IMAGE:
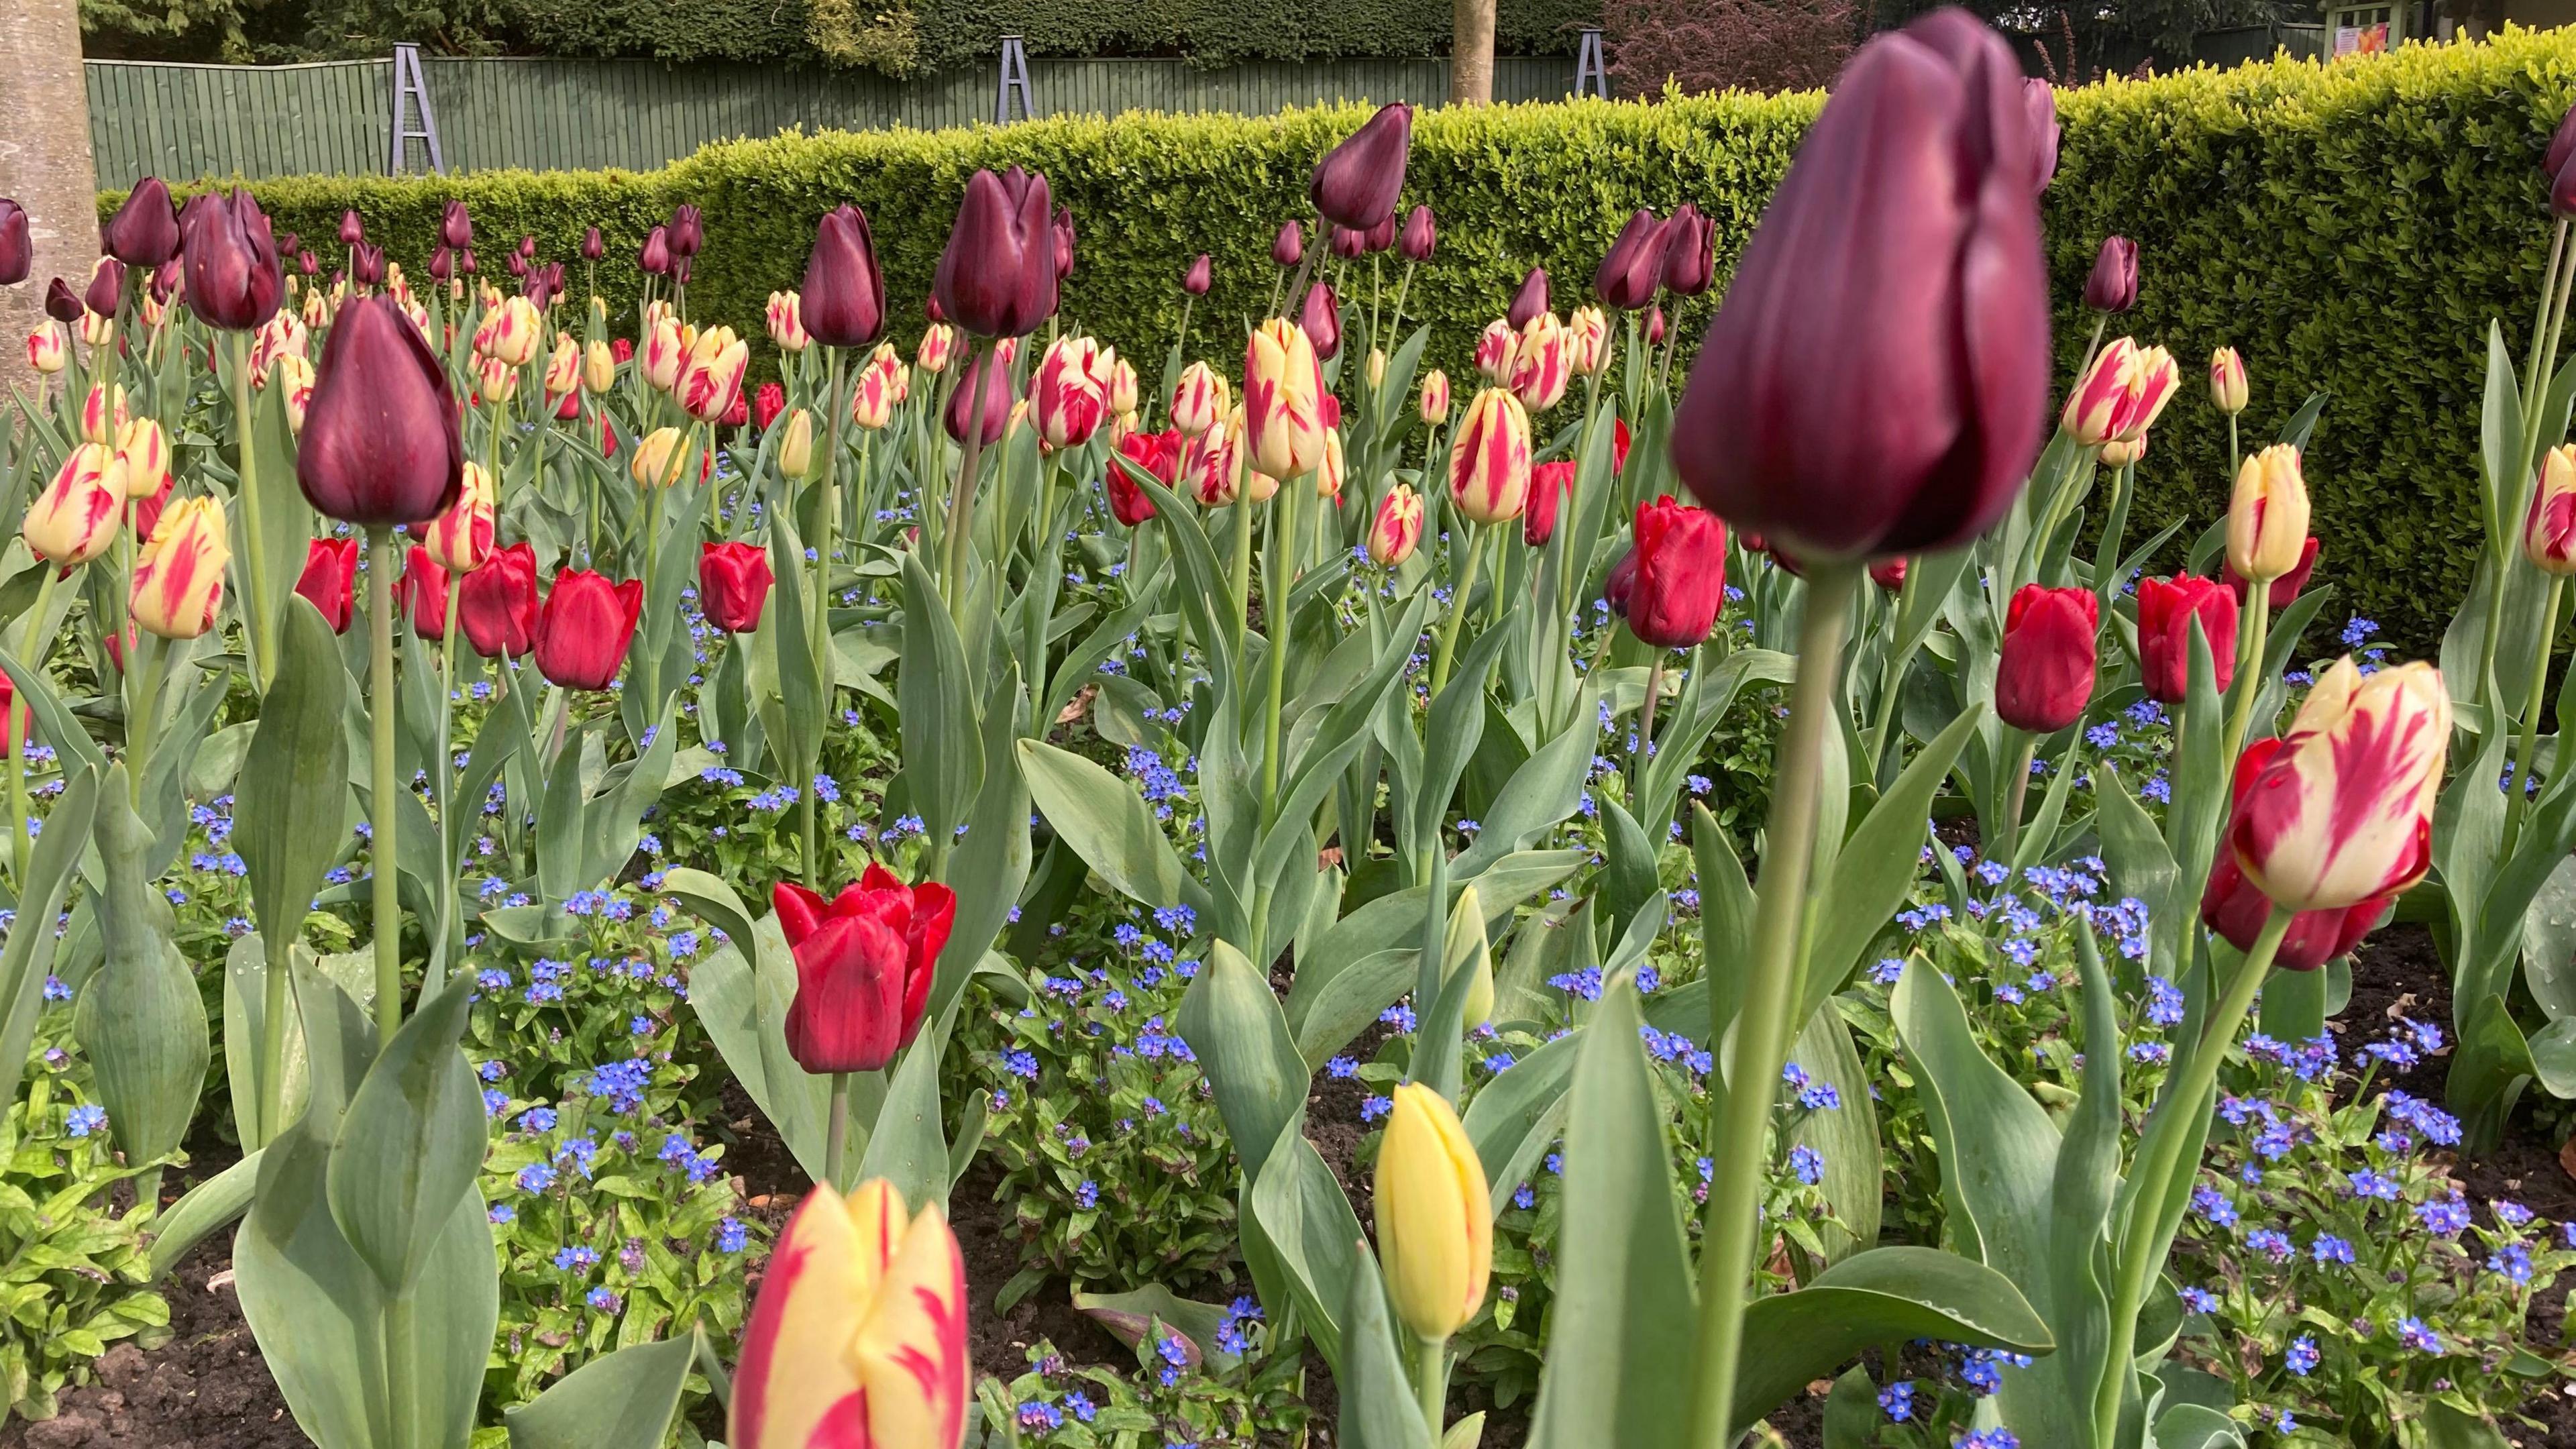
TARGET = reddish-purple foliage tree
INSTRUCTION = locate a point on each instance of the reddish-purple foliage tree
(1714, 45)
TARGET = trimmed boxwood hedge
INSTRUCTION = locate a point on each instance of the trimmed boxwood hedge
(2349, 227)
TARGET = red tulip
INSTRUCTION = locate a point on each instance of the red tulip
(147, 513)
(736, 413)
(1888, 573)
(622, 348)
(1618, 445)
(1530, 300)
(842, 303)
(233, 276)
(1681, 574)
(766, 404)
(864, 962)
(585, 628)
(380, 442)
(1549, 485)
(570, 406)
(422, 593)
(733, 585)
(1155, 453)
(2045, 677)
(1634, 266)
(144, 232)
(330, 579)
(2236, 908)
(2166, 609)
(1355, 185)
(497, 608)
(996, 277)
(2285, 589)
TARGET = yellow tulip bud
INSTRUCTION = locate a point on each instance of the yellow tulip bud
(1435, 1218)
(598, 367)
(2267, 519)
(2227, 381)
(658, 459)
(1489, 461)
(1283, 426)
(796, 456)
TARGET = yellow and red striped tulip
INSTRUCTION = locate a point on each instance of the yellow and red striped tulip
(1212, 464)
(1435, 397)
(2095, 409)
(48, 347)
(712, 377)
(598, 367)
(796, 456)
(460, 540)
(294, 381)
(1489, 463)
(659, 457)
(892, 364)
(1435, 1219)
(74, 519)
(144, 450)
(1200, 400)
(786, 317)
(1122, 382)
(99, 423)
(2549, 534)
(281, 334)
(1589, 334)
(878, 389)
(317, 308)
(2267, 517)
(152, 309)
(2227, 381)
(1283, 385)
(858, 1336)
(179, 574)
(563, 367)
(1328, 474)
(2157, 380)
(1494, 348)
(938, 344)
(2343, 811)
(495, 380)
(97, 328)
(2123, 452)
(511, 332)
(1396, 528)
(1541, 363)
(665, 348)
(1069, 391)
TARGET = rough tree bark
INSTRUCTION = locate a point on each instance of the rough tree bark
(44, 161)
(1471, 64)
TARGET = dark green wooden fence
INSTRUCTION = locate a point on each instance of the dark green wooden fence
(181, 122)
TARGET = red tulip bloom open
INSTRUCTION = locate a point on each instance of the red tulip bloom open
(864, 963)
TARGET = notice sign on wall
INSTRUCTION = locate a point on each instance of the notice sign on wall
(2360, 39)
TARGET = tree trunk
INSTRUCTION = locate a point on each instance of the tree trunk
(44, 162)
(1471, 63)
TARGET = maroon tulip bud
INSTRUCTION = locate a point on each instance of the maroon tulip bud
(2562, 192)
(733, 585)
(368, 260)
(1063, 242)
(1621, 584)
(106, 290)
(1195, 281)
(1530, 300)
(1690, 253)
(61, 302)
(1346, 243)
(864, 964)
(930, 308)
(233, 276)
(1681, 574)
(168, 278)
(1321, 320)
(456, 227)
(1655, 327)
(1549, 483)
(2167, 610)
(1889, 574)
(539, 288)
(688, 231)
(422, 593)
(2285, 590)
(1421, 237)
(842, 303)
(1289, 247)
(1634, 266)
(145, 231)
(330, 580)
(2045, 677)
(1381, 236)
(655, 258)
(2113, 285)
(465, 261)
(997, 276)
(497, 607)
(593, 245)
(528, 245)
(2237, 909)
(352, 230)
(1356, 182)
(517, 264)
(380, 443)
(2039, 107)
(988, 376)
(288, 241)
(2562, 146)
(308, 264)
(17, 252)
(680, 270)
(585, 627)
(1899, 261)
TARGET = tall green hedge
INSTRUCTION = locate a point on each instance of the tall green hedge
(2350, 228)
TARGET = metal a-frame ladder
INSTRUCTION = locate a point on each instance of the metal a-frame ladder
(411, 89)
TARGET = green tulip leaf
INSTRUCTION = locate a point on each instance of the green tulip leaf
(411, 1143)
(622, 1400)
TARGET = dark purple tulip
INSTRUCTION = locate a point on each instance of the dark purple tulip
(145, 231)
(517, 264)
(1530, 300)
(61, 302)
(2562, 145)
(465, 261)
(352, 230)
(1877, 379)
(308, 264)
(380, 442)
(688, 231)
(1690, 254)
(233, 276)
(2562, 192)
(288, 241)
(995, 381)
(1321, 320)
(368, 264)
(1348, 244)
(930, 308)
(1289, 247)
(1655, 327)
(680, 270)
(843, 299)
(1356, 182)
(593, 245)
(2113, 286)
(1196, 280)
(997, 276)
(2039, 100)
(1420, 236)
(442, 263)
(544, 284)
(1381, 236)
(456, 227)
(1063, 231)
(1634, 267)
(168, 277)
(17, 253)
(655, 258)
(528, 245)
(106, 287)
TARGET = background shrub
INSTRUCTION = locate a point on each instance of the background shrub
(2350, 228)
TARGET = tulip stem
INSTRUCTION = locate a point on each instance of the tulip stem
(1448, 648)
(1646, 717)
(381, 850)
(2518, 788)
(2016, 789)
(446, 770)
(837, 1131)
(1431, 1382)
(145, 703)
(1762, 1025)
(1275, 629)
(961, 500)
(2153, 1208)
(260, 627)
(2251, 676)
(2235, 453)
(33, 645)
(2544, 355)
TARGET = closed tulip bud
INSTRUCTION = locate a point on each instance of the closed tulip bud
(858, 1335)
(733, 584)
(233, 276)
(598, 368)
(938, 342)
(1376, 368)
(61, 302)
(2267, 518)
(1067, 392)
(460, 539)
(1197, 279)
(1587, 342)
(2284, 590)
(1329, 472)
(495, 381)
(688, 230)
(293, 379)
(1283, 427)
(997, 276)
(2167, 609)
(2121, 393)
(17, 251)
(1680, 580)
(563, 367)
(319, 306)
(1542, 363)
(842, 303)
(1347, 244)
(497, 607)
(1122, 383)
(654, 257)
(144, 450)
(710, 381)
(1380, 237)
(2342, 812)
(100, 420)
(106, 291)
(864, 962)
(1435, 1219)
(1321, 319)
(1495, 347)
(145, 231)
(48, 349)
(422, 593)
(878, 389)
(380, 444)
(2123, 452)
(1690, 252)
(2113, 284)
(786, 324)
(2227, 381)
(2039, 108)
(456, 227)
(1549, 485)
(1888, 574)
(179, 571)
(1902, 247)
(585, 627)
(1288, 248)
(2044, 678)
(512, 333)
(280, 335)
(1396, 528)
(990, 378)
(367, 265)
(73, 519)
(665, 350)
(1355, 185)
(593, 246)
(329, 581)
(1530, 301)
(1421, 236)
(660, 456)
(1634, 265)
(1489, 461)
(1062, 233)
(2237, 909)
(2549, 533)
(764, 408)
(1434, 408)
(2562, 193)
